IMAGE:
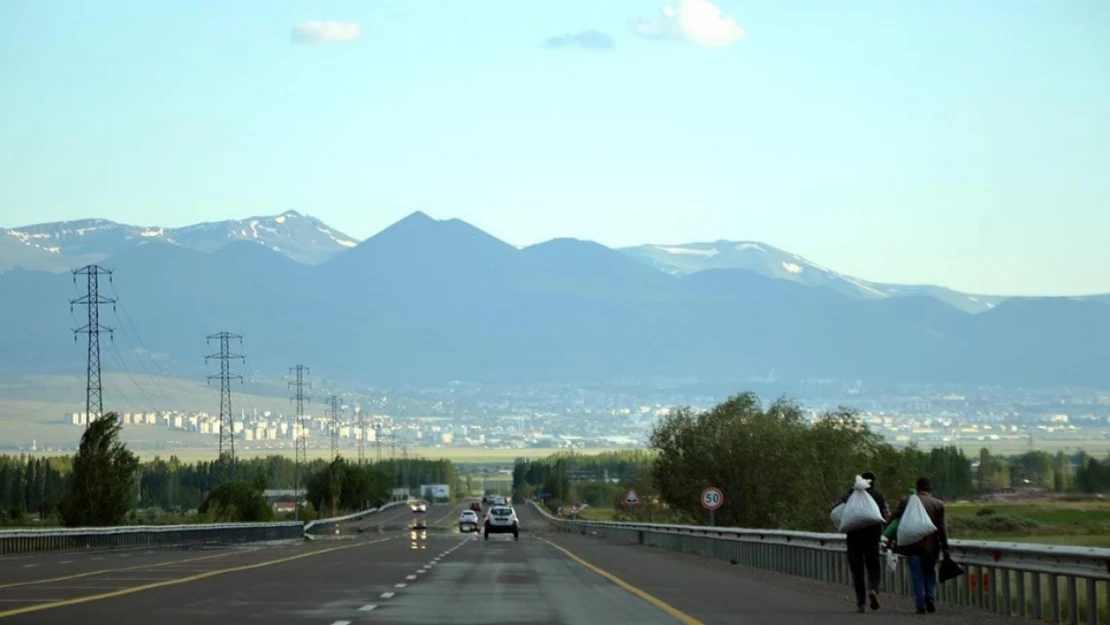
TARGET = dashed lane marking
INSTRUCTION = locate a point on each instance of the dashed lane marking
(368, 607)
(388, 595)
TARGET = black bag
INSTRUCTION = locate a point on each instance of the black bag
(949, 570)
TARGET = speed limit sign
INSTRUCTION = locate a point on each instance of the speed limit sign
(712, 498)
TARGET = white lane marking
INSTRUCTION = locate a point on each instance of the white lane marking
(66, 562)
(410, 577)
(97, 559)
(341, 623)
(399, 585)
(368, 607)
(388, 595)
(29, 566)
(421, 571)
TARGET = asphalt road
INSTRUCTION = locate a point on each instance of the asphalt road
(433, 577)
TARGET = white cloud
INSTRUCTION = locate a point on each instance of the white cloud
(694, 21)
(324, 32)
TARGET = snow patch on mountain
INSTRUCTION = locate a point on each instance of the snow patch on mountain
(693, 251)
(792, 267)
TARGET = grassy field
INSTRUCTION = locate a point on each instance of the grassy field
(1081, 523)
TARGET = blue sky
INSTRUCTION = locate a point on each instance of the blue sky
(951, 142)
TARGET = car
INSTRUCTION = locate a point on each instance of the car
(419, 517)
(419, 506)
(468, 521)
(476, 507)
(502, 520)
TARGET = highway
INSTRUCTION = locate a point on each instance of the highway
(389, 574)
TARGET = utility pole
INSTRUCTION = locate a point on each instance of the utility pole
(335, 411)
(300, 452)
(94, 390)
(378, 437)
(225, 377)
(361, 435)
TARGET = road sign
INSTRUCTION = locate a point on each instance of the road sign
(631, 499)
(712, 498)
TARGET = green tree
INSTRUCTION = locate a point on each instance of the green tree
(237, 502)
(101, 486)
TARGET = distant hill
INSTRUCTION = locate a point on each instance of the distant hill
(773, 262)
(63, 245)
(428, 301)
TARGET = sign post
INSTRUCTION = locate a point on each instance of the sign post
(711, 499)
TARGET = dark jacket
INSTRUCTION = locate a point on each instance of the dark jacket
(872, 532)
(930, 547)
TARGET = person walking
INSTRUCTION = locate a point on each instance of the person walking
(863, 550)
(923, 555)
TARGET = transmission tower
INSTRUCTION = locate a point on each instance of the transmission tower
(225, 377)
(336, 412)
(94, 390)
(361, 435)
(378, 437)
(299, 442)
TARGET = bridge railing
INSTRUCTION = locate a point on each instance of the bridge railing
(19, 541)
(1057, 584)
(323, 524)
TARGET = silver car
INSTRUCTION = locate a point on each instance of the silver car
(468, 521)
(502, 520)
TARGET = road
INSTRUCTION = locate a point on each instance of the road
(424, 577)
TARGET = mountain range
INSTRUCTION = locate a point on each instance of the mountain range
(428, 301)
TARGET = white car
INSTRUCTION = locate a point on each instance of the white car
(468, 521)
(502, 520)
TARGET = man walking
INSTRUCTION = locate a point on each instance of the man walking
(922, 556)
(863, 550)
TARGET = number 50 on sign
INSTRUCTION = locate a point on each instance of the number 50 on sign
(712, 498)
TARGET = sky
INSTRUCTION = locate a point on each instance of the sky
(947, 142)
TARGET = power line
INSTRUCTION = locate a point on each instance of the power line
(333, 425)
(93, 300)
(300, 452)
(225, 377)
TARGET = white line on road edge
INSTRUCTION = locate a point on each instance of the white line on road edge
(410, 577)
(368, 607)
(341, 623)
(388, 595)
(399, 585)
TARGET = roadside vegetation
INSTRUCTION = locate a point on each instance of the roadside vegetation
(780, 469)
(106, 484)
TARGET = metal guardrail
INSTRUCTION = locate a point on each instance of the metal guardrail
(351, 517)
(1056, 584)
(39, 540)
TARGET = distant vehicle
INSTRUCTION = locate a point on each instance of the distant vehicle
(502, 520)
(419, 506)
(476, 507)
(468, 521)
(498, 501)
(419, 517)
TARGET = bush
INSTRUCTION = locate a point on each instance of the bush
(236, 502)
(985, 512)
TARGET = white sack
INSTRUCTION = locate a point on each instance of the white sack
(860, 510)
(915, 524)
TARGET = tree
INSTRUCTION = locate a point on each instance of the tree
(103, 480)
(237, 502)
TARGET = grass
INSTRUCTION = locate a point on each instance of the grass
(1052, 522)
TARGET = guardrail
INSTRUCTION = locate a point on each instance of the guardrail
(1056, 584)
(141, 537)
(351, 517)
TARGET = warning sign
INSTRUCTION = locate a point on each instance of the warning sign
(631, 499)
